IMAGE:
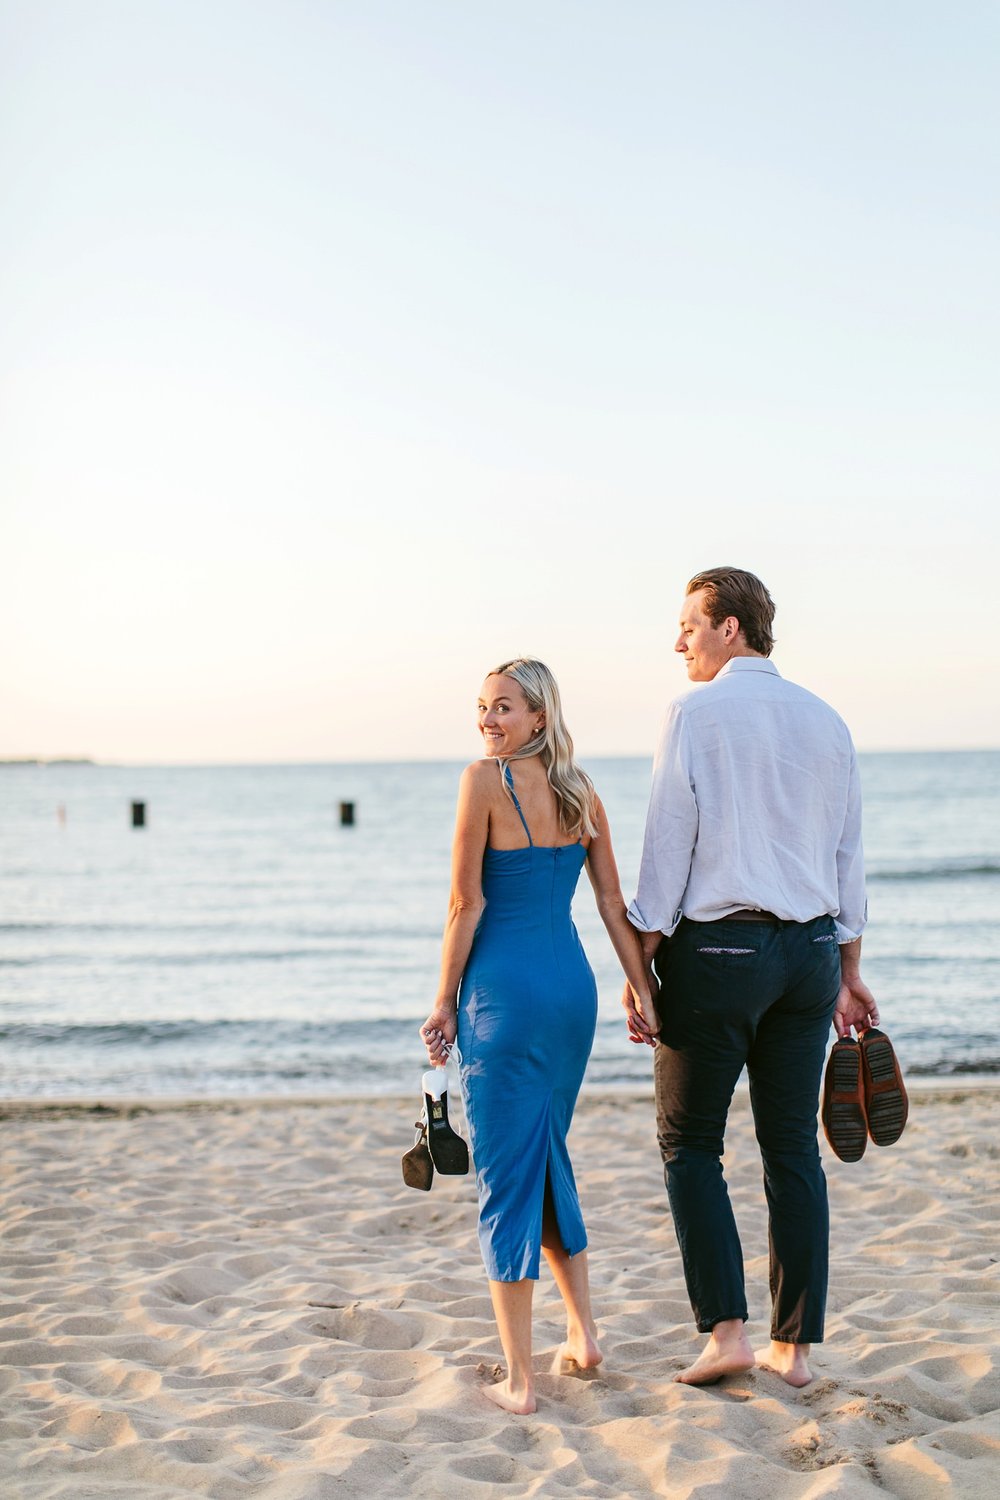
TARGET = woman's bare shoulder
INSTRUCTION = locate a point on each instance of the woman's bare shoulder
(480, 777)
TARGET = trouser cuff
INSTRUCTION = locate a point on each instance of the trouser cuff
(705, 1325)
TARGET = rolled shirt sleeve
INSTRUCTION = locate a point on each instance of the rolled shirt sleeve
(671, 832)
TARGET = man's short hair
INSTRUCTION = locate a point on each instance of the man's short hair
(732, 591)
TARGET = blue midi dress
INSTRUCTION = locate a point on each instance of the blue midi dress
(527, 1010)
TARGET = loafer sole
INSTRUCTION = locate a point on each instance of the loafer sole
(886, 1102)
(843, 1115)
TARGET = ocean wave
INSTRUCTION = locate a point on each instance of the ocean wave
(374, 1050)
(204, 958)
(271, 1033)
(353, 931)
(956, 869)
(949, 1068)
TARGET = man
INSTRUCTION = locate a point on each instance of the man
(751, 903)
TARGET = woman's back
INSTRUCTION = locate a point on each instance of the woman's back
(530, 804)
(528, 889)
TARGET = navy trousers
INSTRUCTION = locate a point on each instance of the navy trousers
(761, 995)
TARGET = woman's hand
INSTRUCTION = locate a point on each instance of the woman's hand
(438, 1035)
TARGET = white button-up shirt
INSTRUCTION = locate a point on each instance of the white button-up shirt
(756, 802)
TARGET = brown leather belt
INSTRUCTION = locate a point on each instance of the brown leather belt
(746, 915)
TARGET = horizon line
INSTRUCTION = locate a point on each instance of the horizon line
(14, 762)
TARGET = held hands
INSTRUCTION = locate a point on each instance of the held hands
(640, 1014)
(438, 1035)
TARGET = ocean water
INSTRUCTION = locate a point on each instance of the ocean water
(244, 942)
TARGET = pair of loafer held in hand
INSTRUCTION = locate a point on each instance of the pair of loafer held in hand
(864, 1096)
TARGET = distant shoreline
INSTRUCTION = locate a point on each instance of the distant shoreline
(457, 760)
(59, 760)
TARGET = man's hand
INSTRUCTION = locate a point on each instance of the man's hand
(855, 1006)
(640, 1015)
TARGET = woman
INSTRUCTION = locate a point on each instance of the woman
(517, 991)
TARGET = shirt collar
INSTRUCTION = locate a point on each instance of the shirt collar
(748, 664)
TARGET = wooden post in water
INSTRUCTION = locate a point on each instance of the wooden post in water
(347, 815)
(138, 814)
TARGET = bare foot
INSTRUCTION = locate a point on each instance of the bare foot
(580, 1352)
(727, 1352)
(790, 1361)
(521, 1402)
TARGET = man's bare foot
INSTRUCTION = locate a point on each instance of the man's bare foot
(727, 1352)
(790, 1361)
(520, 1401)
(580, 1352)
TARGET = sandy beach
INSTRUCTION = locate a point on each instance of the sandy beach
(243, 1298)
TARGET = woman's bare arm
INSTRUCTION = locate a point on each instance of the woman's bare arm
(603, 871)
(472, 825)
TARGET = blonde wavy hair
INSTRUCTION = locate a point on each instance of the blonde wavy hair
(576, 799)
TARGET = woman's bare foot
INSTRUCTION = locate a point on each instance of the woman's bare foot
(727, 1352)
(520, 1401)
(790, 1361)
(581, 1351)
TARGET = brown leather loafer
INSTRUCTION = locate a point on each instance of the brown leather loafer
(843, 1113)
(886, 1104)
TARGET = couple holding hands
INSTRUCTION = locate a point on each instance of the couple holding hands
(741, 946)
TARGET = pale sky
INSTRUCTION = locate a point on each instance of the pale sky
(350, 347)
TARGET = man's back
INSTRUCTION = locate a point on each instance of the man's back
(756, 803)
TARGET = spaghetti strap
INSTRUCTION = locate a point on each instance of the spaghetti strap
(509, 780)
